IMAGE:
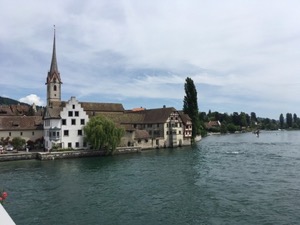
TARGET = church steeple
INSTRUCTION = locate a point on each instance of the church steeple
(53, 80)
(53, 67)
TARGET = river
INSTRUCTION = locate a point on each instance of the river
(224, 179)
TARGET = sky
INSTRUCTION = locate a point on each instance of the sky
(243, 55)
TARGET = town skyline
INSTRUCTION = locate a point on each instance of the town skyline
(242, 56)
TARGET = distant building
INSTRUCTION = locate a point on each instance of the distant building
(212, 124)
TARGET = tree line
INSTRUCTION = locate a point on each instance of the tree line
(230, 123)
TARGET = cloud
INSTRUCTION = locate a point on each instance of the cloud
(32, 98)
(242, 55)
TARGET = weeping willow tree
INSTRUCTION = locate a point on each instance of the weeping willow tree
(102, 134)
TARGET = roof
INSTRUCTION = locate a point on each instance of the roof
(21, 123)
(102, 107)
(211, 124)
(52, 112)
(185, 117)
(141, 134)
(53, 72)
(159, 115)
(17, 110)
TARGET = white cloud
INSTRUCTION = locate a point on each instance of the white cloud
(233, 50)
(32, 98)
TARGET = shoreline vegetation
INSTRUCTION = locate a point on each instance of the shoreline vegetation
(223, 123)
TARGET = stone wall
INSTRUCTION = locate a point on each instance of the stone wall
(17, 156)
(67, 154)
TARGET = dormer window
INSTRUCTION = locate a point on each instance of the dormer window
(54, 88)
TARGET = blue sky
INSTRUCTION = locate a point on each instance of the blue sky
(243, 55)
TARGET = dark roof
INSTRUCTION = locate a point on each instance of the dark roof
(16, 110)
(21, 123)
(157, 115)
(52, 112)
(185, 117)
(125, 118)
(214, 123)
(102, 107)
(141, 134)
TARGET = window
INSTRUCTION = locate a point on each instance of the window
(73, 121)
(157, 125)
(21, 133)
(82, 121)
(70, 145)
(70, 113)
(77, 144)
(66, 132)
(167, 132)
(64, 122)
(73, 106)
(54, 88)
(149, 125)
(76, 113)
(79, 132)
(32, 133)
(53, 133)
(9, 133)
(179, 132)
(57, 134)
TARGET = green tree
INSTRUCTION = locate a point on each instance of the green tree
(30, 112)
(253, 117)
(102, 133)
(190, 106)
(236, 119)
(295, 119)
(223, 129)
(232, 128)
(18, 142)
(281, 121)
(243, 119)
(289, 120)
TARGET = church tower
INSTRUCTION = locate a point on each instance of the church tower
(53, 80)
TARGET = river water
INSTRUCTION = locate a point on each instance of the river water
(231, 179)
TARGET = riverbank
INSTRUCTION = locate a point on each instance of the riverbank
(22, 155)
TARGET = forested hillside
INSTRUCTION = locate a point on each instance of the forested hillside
(9, 101)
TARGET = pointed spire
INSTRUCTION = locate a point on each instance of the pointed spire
(53, 66)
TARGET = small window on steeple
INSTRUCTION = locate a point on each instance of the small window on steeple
(54, 88)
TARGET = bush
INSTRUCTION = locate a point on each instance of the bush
(18, 143)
